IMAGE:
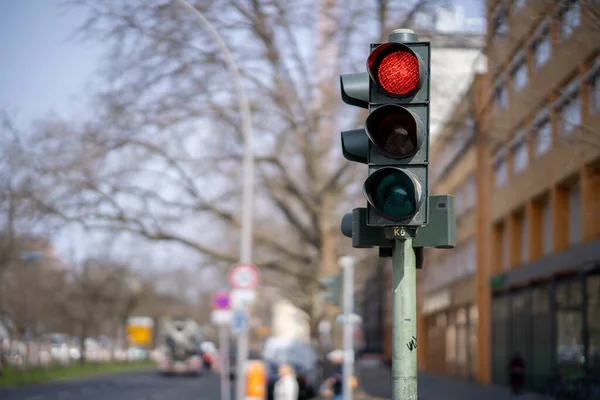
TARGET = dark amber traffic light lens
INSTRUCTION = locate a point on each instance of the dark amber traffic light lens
(393, 129)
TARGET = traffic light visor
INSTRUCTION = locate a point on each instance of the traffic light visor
(395, 193)
(395, 68)
(395, 131)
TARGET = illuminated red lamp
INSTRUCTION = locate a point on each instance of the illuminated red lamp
(396, 69)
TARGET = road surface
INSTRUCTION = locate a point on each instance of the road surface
(146, 385)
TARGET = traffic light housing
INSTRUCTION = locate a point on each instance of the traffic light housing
(395, 140)
(333, 293)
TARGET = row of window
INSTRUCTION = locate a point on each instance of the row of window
(458, 336)
(454, 265)
(569, 114)
(540, 48)
(544, 232)
(568, 15)
(529, 321)
(454, 146)
(465, 196)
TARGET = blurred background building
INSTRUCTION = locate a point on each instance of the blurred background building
(520, 151)
(289, 322)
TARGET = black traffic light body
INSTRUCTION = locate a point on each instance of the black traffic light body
(395, 140)
(333, 293)
(398, 131)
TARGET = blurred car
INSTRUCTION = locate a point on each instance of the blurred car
(190, 366)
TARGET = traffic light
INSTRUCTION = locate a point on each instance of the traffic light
(395, 140)
(333, 293)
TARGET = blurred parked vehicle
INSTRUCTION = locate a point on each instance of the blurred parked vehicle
(181, 352)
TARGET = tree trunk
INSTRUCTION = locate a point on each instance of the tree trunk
(84, 333)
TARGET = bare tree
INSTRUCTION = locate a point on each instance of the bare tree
(162, 158)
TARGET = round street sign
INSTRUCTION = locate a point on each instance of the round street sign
(221, 300)
(243, 276)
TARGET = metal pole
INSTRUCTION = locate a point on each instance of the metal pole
(248, 166)
(404, 319)
(348, 371)
(224, 346)
(247, 180)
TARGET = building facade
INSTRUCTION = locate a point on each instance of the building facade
(372, 310)
(525, 275)
(544, 188)
(290, 322)
(447, 298)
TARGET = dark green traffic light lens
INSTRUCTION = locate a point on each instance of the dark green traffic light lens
(392, 193)
(395, 195)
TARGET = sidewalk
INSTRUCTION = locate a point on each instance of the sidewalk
(375, 379)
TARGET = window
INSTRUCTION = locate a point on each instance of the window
(520, 156)
(473, 320)
(500, 173)
(593, 320)
(458, 201)
(519, 74)
(570, 116)
(500, 96)
(451, 344)
(499, 21)
(470, 256)
(542, 47)
(518, 4)
(543, 137)
(575, 214)
(462, 338)
(569, 19)
(471, 192)
(542, 50)
(470, 126)
(569, 328)
(524, 240)
(458, 263)
(540, 301)
(547, 235)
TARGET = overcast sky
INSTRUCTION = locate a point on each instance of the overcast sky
(43, 69)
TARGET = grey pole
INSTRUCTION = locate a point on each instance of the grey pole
(404, 319)
(224, 347)
(247, 181)
(347, 263)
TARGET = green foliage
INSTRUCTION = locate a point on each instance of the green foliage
(15, 377)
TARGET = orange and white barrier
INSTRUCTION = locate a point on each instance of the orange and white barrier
(256, 381)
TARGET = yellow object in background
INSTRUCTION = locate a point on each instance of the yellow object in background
(139, 330)
(255, 380)
(139, 335)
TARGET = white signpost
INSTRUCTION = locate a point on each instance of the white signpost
(222, 316)
(244, 279)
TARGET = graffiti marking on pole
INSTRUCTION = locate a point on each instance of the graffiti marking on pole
(412, 344)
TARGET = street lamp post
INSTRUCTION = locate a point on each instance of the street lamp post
(248, 178)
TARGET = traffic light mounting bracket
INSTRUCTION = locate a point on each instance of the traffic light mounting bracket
(439, 233)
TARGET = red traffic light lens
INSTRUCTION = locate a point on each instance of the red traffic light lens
(398, 73)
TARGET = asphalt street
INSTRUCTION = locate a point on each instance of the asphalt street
(146, 385)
